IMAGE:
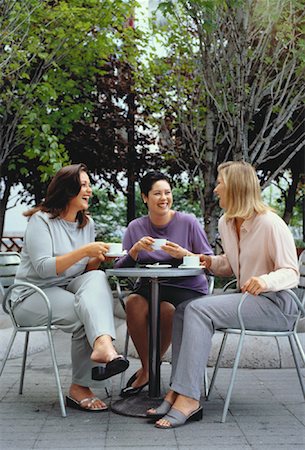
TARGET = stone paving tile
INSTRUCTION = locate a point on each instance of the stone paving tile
(267, 412)
(278, 447)
(210, 446)
(15, 445)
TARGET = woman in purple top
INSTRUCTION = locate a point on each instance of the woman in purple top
(185, 236)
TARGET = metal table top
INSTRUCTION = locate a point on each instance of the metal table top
(144, 272)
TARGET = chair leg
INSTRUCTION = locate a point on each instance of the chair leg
(53, 356)
(223, 343)
(299, 345)
(25, 352)
(233, 375)
(8, 350)
(125, 354)
(297, 365)
(206, 383)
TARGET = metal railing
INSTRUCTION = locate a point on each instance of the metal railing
(11, 244)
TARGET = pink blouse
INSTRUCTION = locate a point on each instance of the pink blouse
(266, 249)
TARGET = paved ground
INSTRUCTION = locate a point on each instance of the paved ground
(267, 412)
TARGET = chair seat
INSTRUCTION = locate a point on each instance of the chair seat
(255, 332)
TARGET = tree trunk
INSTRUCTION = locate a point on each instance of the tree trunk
(211, 212)
(290, 200)
(3, 204)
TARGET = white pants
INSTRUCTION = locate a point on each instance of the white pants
(84, 308)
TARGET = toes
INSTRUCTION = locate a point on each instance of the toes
(96, 404)
(163, 423)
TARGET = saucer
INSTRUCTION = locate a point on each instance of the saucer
(183, 266)
(158, 266)
(116, 255)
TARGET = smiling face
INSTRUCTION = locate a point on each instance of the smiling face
(81, 201)
(159, 199)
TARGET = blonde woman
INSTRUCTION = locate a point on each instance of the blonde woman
(259, 251)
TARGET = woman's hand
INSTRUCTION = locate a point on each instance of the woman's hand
(175, 250)
(205, 261)
(145, 243)
(96, 250)
(254, 286)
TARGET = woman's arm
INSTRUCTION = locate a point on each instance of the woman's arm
(40, 247)
(94, 250)
(219, 265)
(281, 248)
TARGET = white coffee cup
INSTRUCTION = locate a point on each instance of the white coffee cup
(192, 261)
(115, 248)
(158, 244)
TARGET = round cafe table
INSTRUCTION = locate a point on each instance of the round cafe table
(136, 406)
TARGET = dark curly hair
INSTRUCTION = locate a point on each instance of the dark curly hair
(63, 187)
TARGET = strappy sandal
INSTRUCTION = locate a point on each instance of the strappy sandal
(160, 411)
(75, 404)
(113, 367)
(176, 418)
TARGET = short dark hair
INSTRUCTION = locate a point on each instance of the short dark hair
(63, 187)
(149, 179)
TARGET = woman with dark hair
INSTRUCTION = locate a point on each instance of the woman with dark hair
(184, 236)
(61, 257)
(259, 251)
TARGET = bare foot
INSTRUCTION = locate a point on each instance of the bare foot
(142, 378)
(170, 398)
(78, 393)
(184, 404)
(103, 350)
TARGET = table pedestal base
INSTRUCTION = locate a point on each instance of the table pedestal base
(136, 406)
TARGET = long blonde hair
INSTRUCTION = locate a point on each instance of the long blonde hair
(243, 192)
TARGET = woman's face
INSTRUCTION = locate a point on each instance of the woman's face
(81, 201)
(220, 191)
(160, 198)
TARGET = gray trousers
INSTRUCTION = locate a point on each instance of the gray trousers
(84, 308)
(195, 323)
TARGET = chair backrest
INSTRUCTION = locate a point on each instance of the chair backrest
(302, 269)
(300, 292)
(9, 262)
(211, 282)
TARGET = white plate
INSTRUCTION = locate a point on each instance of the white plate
(189, 267)
(116, 255)
(158, 266)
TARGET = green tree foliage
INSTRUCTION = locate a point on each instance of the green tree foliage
(51, 53)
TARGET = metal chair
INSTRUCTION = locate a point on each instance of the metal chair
(299, 298)
(128, 284)
(8, 266)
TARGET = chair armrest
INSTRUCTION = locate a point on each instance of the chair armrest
(120, 293)
(239, 314)
(128, 282)
(211, 282)
(299, 303)
(7, 308)
(290, 292)
(2, 293)
(229, 284)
